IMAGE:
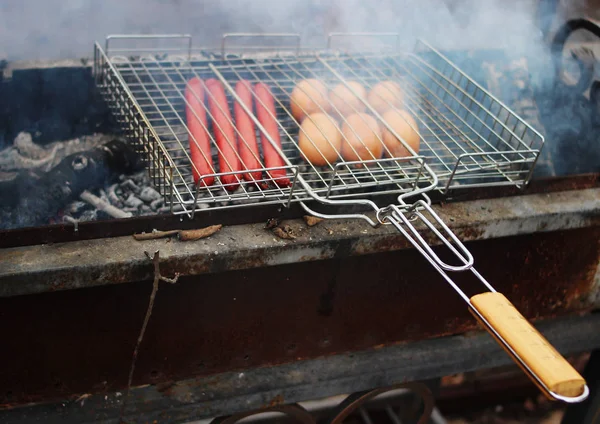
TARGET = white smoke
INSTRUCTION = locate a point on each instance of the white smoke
(58, 29)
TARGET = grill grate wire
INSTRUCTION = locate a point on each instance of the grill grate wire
(467, 137)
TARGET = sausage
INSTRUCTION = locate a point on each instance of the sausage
(247, 132)
(229, 160)
(265, 110)
(199, 140)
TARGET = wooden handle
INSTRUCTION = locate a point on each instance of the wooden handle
(541, 358)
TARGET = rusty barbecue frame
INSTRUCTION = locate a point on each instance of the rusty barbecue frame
(34, 269)
(264, 387)
(315, 309)
(59, 233)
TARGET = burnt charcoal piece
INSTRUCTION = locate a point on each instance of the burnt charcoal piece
(35, 197)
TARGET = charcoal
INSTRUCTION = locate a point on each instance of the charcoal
(43, 194)
(133, 202)
(131, 186)
(148, 194)
(112, 195)
(77, 207)
(103, 215)
(157, 203)
(145, 209)
(140, 178)
(89, 215)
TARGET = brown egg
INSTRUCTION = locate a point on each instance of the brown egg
(406, 127)
(385, 96)
(343, 100)
(309, 96)
(320, 140)
(362, 138)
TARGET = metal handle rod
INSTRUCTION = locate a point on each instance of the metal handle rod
(393, 219)
(426, 204)
(465, 256)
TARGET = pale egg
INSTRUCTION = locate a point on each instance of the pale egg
(385, 95)
(361, 138)
(309, 96)
(405, 126)
(343, 100)
(320, 140)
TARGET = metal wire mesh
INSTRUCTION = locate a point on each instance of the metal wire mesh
(467, 137)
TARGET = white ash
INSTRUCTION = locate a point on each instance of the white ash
(133, 202)
(149, 194)
(132, 194)
(125, 195)
(25, 154)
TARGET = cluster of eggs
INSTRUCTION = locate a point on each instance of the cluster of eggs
(335, 122)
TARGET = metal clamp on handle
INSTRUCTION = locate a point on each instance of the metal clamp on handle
(462, 253)
(234, 35)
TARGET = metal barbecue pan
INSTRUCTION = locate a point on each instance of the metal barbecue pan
(467, 138)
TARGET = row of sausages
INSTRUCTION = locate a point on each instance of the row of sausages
(236, 154)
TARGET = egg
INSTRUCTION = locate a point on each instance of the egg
(406, 127)
(385, 95)
(309, 96)
(320, 140)
(343, 100)
(361, 138)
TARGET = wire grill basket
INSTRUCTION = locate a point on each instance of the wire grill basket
(468, 138)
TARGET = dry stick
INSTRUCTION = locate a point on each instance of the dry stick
(157, 278)
(104, 206)
(184, 235)
(155, 235)
(191, 235)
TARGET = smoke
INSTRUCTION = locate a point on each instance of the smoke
(57, 29)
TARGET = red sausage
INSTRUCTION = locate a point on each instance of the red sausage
(224, 134)
(247, 142)
(265, 109)
(195, 115)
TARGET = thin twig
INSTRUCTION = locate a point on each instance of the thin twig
(191, 235)
(157, 278)
(184, 235)
(155, 235)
